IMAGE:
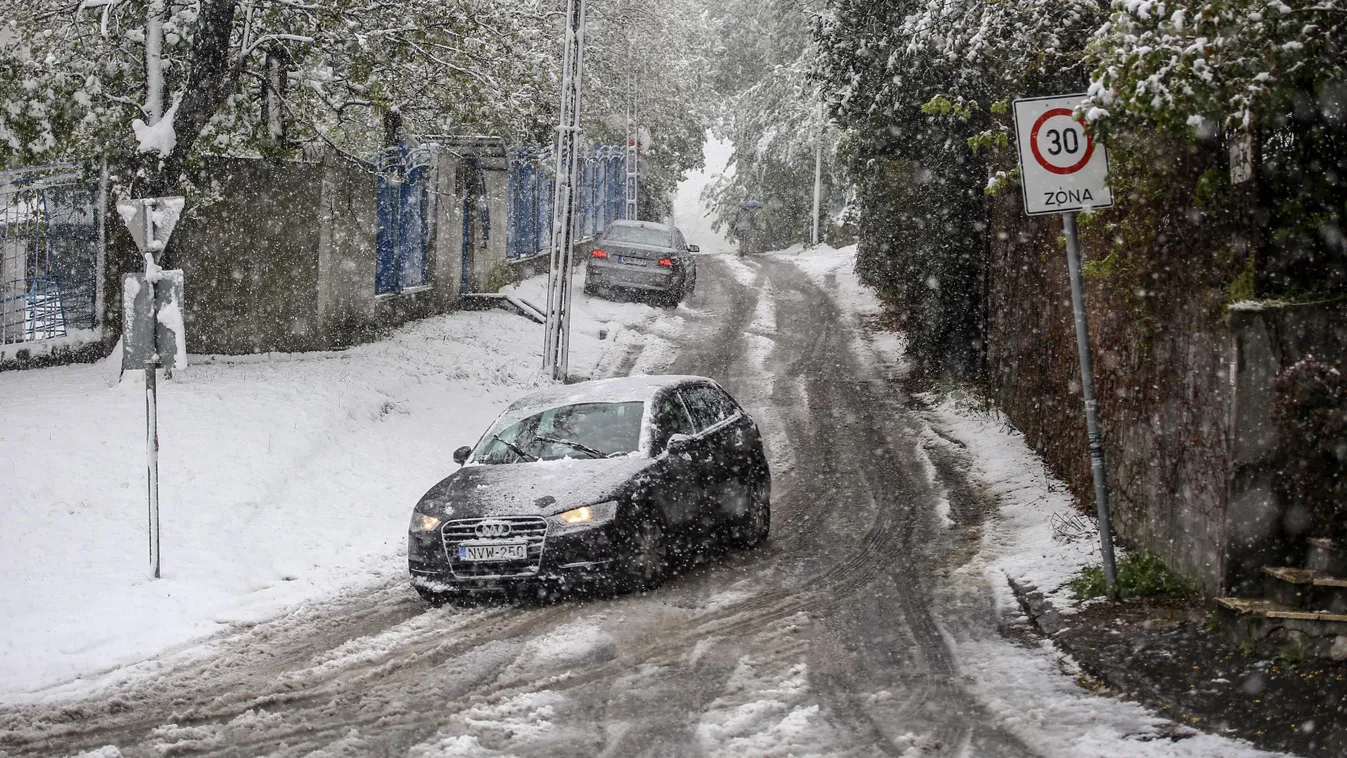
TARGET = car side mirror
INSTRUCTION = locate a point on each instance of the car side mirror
(694, 249)
(462, 454)
(678, 443)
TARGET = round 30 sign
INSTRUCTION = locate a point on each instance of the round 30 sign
(1060, 143)
(1062, 169)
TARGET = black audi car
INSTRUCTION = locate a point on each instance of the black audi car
(591, 483)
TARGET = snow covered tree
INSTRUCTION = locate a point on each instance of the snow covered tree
(657, 48)
(771, 111)
(81, 81)
(1272, 73)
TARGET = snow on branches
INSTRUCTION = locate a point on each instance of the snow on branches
(73, 77)
(1215, 64)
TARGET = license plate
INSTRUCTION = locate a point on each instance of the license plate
(633, 261)
(513, 552)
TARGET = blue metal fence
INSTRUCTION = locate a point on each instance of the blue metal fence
(49, 241)
(531, 187)
(404, 205)
(402, 235)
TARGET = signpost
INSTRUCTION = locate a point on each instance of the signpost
(152, 327)
(1063, 170)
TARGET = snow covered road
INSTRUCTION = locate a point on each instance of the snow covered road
(857, 630)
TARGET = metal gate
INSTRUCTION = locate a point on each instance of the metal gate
(49, 244)
(404, 220)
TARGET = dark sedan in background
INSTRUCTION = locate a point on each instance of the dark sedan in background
(644, 257)
(593, 483)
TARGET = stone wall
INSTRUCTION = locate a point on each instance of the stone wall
(1266, 339)
(283, 260)
(1184, 386)
(1159, 341)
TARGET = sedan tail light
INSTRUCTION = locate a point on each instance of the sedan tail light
(599, 253)
(666, 262)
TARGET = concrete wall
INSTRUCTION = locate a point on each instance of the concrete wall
(446, 234)
(492, 241)
(346, 253)
(282, 261)
(248, 258)
(1264, 341)
(285, 261)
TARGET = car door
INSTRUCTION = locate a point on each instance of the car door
(677, 485)
(722, 466)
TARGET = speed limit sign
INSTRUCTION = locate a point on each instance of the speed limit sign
(1062, 168)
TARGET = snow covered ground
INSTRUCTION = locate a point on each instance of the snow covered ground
(283, 478)
(1028, 690)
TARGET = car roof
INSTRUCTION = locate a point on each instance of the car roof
(629, 389)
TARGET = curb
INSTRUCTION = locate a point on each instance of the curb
(1040, 611)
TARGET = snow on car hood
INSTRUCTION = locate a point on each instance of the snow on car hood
(541, 488)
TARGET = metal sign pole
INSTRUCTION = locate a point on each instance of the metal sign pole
(1091, 403)
(1063, 171)
(151, 220)
(152, 409)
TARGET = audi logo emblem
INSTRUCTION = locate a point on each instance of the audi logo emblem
(492, 529)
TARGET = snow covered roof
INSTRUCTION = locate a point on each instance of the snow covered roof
(643, 225)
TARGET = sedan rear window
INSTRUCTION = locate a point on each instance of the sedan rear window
(586, 430)
(639, 235)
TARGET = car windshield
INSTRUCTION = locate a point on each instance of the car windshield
(586, 430)
(638, 234)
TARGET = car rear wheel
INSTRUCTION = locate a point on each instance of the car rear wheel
(756, 522)
(643, 557)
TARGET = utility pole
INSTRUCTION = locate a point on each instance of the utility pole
(631, 210)
(818, 172)
(556, 345)
(633, 133)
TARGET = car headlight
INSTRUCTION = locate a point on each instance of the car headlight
(424, 523)
(587, 515)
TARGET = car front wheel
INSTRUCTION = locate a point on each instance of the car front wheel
(643, 554)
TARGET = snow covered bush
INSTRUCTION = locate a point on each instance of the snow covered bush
(1208, 65)
(1310, 414)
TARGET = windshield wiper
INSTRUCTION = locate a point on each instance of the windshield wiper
(574, 445)
(517, 449)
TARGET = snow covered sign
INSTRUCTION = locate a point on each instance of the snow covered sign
(151, 221)
(1062, 168)
(152, 320)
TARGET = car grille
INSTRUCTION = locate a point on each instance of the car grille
(531, 530)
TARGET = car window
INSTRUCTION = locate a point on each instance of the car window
(671, 417)
(586, 430)
(637, 234)
(707, 405)
(679, 242)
